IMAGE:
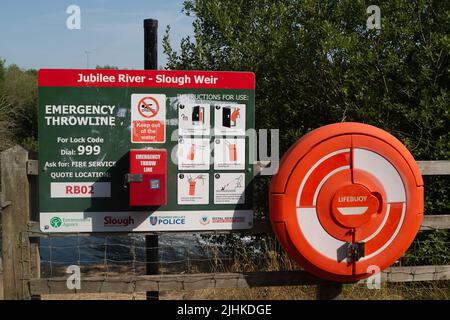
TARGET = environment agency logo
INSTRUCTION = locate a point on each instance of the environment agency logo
(56, 222)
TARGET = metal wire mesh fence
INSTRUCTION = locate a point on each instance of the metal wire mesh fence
(112, 256)
(109, 255)
(187, 253)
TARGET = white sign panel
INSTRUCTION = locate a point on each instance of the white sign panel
(193, 154)
(146, 221)
(193, 119)
(229, 188)
(80, 189)
(193, 188)
(229, 119)
(148, 118)
(229, 154)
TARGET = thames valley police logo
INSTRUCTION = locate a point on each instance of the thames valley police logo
(153, 220)
(167, 221)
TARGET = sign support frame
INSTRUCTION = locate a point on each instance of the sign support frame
(151, 63)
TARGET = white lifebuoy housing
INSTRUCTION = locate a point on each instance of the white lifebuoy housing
(347, 197)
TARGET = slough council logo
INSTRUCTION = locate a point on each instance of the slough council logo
(55, 222)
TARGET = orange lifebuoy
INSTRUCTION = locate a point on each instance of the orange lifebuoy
(347, 197)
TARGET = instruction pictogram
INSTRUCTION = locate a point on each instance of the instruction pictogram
(193, 119)
(148, 118)
(230, 116)
(193, 153)
(229, 154)
(193, 188)
(229, 119)
(193, 181)
(148, 107)
(229, 188)
(232, 154)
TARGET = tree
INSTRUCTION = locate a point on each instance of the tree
(316, 62)
(4, 133)
(2, 72)
(18, 105)
(106, 67)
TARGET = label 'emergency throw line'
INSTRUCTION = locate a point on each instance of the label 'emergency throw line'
(80, 115)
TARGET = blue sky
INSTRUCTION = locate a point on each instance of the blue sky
(33, 34)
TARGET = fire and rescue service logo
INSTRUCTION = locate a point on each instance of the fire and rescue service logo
(204, 220)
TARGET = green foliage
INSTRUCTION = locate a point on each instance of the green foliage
(430, 248)
(437, 195)
(18, 106)
(106, 67)
(317, 63)
(4, 133)
(2, 72)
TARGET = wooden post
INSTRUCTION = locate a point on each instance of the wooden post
(32, 172)
(18, 264)
(329, 291)
(151, 63)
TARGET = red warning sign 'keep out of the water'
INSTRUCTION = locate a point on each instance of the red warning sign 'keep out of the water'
(148, 118)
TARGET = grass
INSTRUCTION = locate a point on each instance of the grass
(410, 291)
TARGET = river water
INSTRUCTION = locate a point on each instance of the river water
(177, 252)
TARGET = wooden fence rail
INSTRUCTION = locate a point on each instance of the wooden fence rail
(134, 284)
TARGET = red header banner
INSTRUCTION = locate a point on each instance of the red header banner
(146, 78)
